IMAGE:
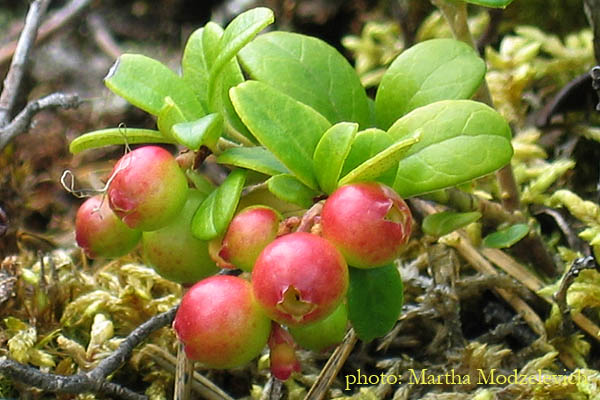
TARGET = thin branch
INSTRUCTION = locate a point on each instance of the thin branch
(108, 365)
(21, 122)
(102, 36)
(16, 71)
(93, 381)
(54, 23)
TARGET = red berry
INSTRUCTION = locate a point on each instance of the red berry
(368, 222)
(299, 278)
(250, 231)
(174, 252)
(220, 323)
(282, 353)
(100, 233)
(148, 189)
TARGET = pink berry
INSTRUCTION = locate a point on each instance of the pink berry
(220, 324)
(282, 353)
(368, 222)
(100, 233)
(250, 231)
(174, 252)
(147, 189)
(299, 278)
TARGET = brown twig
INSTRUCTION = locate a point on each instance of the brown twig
(102, 36)
(93, 381)
(53, 24)
(21, 122)
(18, 65)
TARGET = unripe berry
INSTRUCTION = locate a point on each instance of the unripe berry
(220, 323)
(299, 278)
(324, 334)
(368, 222)
(282, 353)
(147, 188)
(250, 231)
(100, 233)
(174, 252)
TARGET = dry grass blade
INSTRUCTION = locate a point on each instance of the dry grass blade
(332, 367)
(183, 374)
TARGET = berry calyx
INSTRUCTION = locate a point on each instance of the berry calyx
(174, 252)
(249, 232)
(100, 233)
(147, 188)
(220, 323)
(299, 278)
(368, 222)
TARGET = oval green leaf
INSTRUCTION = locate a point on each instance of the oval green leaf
(255, 158)
(287, 188)
(375, 299)
(331, 152)
(216, 211)
(442, 223)
(204, 131)
(310, 71)
(168, 116)
(460, 140)
(380, 162)
(287, 127)
(195, 67)
(112, 136)
(367, 144)
(241, 30)
(434, 70)
(506, 237)
(145, 83)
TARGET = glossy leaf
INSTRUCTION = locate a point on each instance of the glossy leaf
(288, 128)
(506, 237)
(442, 223)
(380, 162)
(168, 116)
(195, 67)
(331, 152)
(255, 158)
(239, 32)
(310, 71)
(111, 136)
(491, 3)
(375, 299)
(204, 131)
(365, 145)
(434, 70)
(287, 188)
(216, 211)
(460, 140)
(145, 83)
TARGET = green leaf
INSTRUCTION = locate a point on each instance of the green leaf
(287, 188)
(255, 158)
(216, 211)
(110, 136)
(460, 140)
(239, 32)
(195, 67)
(311, 71)
(442, 223)
(199, 55)
(491, 3)
(204, 131)
(434, 70)
(331, 152)
(367, 144)
(201, 183)
(288, 128)
(168, 116)
(380, 162)
(506, 237)
(145, 83)
(375, 298)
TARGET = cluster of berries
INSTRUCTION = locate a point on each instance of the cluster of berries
(298, 280)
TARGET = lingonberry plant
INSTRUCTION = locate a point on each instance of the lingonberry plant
(300, 129)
